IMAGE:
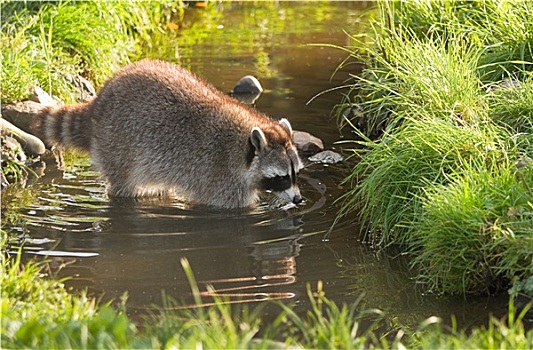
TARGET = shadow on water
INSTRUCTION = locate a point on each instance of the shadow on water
(136, 247)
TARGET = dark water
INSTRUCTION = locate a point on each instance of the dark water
(136, 247)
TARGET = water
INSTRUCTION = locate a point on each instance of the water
(111, 248)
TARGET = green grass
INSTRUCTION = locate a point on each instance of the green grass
(416, 75)
(39, 313)
(510, 104)
(503, 29)
(389, 180)
(444, 111)
(50, 44)
(508, 333)
(476, 233)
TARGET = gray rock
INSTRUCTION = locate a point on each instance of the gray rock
(42, 97)
(248, 85)
(524, 162)
(326, 157)
(31, 145)
(307, 144)
(505, 84)
(84, 86)
(21, 113)
(247, 90)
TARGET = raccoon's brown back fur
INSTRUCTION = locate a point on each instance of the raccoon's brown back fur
(155, 127)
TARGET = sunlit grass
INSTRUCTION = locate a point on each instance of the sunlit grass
(511, 104)
(437, 55)
(476, 233)
(444, 111)
(50, 44)
(503, 29)
(389, 180)
(506, 333)
(417, 75)
(39, 313)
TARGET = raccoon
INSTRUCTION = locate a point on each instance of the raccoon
(156, 128)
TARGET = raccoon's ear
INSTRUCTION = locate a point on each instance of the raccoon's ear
(285, 123)
(258, 138)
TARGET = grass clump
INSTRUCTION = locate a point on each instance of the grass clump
(414, 75)
(506, 333)
(389, 181)
(446, 97)
(502, 29)
(51, 44)
(39, 313)
(476, 231)
(511, 104)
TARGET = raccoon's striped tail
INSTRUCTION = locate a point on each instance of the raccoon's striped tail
(66, 126)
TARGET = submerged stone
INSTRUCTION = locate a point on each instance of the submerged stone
(247, 85)
(326, 157)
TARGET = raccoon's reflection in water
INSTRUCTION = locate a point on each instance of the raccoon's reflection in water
(246, 256)
(240, 255)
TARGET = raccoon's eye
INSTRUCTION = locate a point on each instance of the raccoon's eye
(276, 183)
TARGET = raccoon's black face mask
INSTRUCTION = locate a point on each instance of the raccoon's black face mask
(285, 186)
(276, 183)
(280, 183)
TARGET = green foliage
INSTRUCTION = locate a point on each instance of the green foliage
(328, 326)
(476, 231)
(420, 75)
(503, 29)
(50, 44)
(439, 53)
(508, 333)
(39, 313)
(448, 88)
(511, 104)
(390, 178)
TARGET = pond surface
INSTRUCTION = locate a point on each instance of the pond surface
(115, 247)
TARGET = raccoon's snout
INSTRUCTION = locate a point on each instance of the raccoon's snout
(291, 195)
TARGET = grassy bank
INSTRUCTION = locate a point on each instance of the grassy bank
(50, 44)
(39, 313)
(444, 112)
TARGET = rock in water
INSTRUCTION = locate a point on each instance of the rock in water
(247, 90)
(326, 157)
(248, 85)
(307, 144)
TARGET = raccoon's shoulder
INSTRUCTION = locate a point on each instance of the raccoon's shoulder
(172, 76)
(151, 67)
